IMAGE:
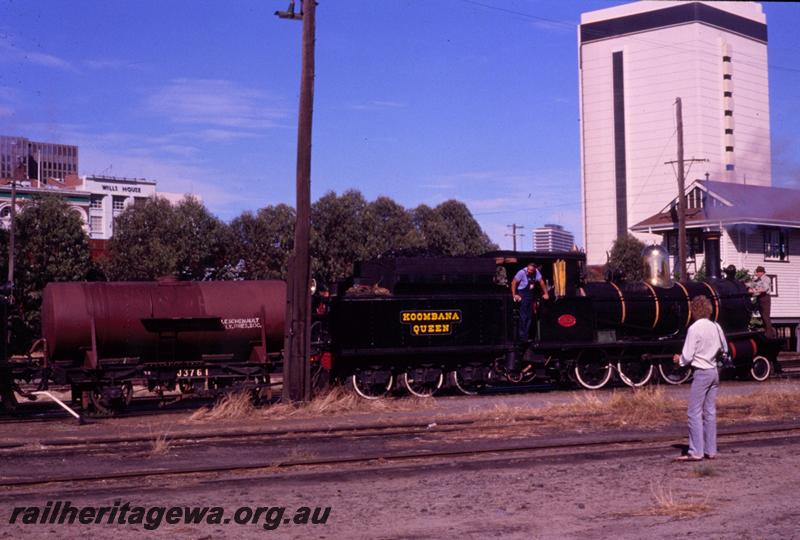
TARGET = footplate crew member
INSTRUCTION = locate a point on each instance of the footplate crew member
(522, 287)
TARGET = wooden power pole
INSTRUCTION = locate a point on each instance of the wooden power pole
(681, 194)
(297, 341)
(514, 227)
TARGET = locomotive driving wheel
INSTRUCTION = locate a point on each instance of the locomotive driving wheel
(592, 369)
(422, 381)
(467, 379)
(760, 369)
(372, 383)
(672, 373)
(635, 372)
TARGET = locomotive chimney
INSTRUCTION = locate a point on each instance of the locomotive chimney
(711, 248)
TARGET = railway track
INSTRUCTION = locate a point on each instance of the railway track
(394, 446)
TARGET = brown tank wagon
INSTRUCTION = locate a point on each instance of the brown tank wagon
(197, 336)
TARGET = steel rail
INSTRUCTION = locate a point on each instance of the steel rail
(505, 447)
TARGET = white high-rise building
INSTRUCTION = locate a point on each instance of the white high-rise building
(634, 61)
(552, 238)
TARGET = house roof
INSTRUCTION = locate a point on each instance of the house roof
(726, 203)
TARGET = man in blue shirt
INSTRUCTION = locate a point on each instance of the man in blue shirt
(522, 287)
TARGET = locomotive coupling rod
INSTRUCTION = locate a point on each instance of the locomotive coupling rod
(648, 356)
(61, 403)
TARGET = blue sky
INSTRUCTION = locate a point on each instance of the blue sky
(418, 100)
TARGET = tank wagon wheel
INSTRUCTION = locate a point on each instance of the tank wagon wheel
(761, 369)
(371, 383)
(635, 372)
(8, 400)
(102, 405)
(593, 370)
(422, 381)
(674, 374)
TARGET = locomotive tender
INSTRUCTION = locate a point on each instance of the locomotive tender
(408, 322)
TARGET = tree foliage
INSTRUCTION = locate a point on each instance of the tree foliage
(450, 229)
(625, 260)
(153, 238)
(338, 237)
(50, 245)
(264, 241)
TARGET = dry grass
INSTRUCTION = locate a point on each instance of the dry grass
(640, 407)
(667, 505)
(229, 407)
(759, 405)
(333, 402)
(704, 470)
(160, 445)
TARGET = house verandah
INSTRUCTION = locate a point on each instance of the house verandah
(758, 226)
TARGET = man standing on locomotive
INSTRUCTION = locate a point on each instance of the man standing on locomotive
(704, 340)
(522, 288)
(760, 288)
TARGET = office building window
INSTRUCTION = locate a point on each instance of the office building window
(95, 224)
(118, 204)
(96, 201)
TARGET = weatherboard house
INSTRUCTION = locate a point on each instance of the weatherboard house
(758, 226)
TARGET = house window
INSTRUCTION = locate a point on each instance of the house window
(694, 244)
(776, 245)
(695, 198)
(773, 284)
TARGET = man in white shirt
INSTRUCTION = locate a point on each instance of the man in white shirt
(703, 341)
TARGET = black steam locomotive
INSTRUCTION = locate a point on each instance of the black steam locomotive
(431, 320)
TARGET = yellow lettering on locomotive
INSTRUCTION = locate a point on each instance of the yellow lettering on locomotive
(449, 316)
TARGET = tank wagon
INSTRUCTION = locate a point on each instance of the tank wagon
(200, 337)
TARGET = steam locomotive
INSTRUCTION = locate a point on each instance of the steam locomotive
(455, 319)
(412, 323)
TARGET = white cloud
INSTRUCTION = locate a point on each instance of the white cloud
(11, 53)
(111, 63)
(377, 105)
(217, 104)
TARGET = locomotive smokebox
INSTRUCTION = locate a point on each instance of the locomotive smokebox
(711, 248)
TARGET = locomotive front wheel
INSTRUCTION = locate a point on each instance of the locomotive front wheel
(371, 384)
(674, 374)
(635, 372)
(761, 369)
(593, 373)
(422, 381)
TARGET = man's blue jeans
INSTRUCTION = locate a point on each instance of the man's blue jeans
(702, 413)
